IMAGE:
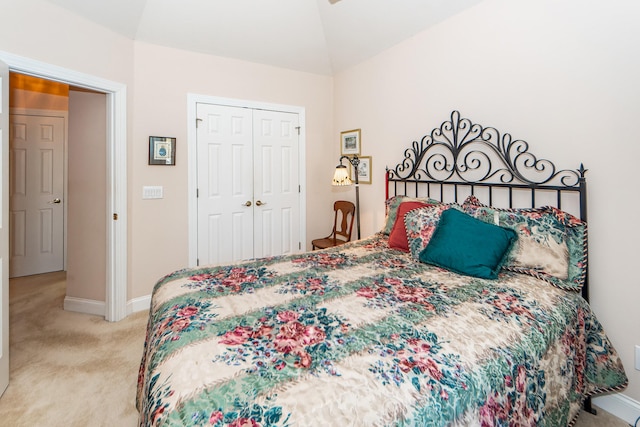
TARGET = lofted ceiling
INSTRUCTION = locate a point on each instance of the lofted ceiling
(317, 36)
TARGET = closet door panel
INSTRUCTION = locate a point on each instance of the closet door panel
(225, 184)
(276, 183)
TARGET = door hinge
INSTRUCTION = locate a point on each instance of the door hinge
(299, 245)
(299, 189)
(198, 122)
(197, 193)
(115, 216)
(298, 129)
(197, 262)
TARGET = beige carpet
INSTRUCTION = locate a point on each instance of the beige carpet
(70, 369)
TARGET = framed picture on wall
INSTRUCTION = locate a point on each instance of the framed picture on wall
(364, 171)
(162, 150)
(350, 142)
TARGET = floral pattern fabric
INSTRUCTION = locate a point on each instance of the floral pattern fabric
(421, 223)
(552, 244)
(365, 335)
(392, 204)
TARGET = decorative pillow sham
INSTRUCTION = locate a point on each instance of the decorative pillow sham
(577, 240)
(551, 243)
(398, 235)
(391, 209)
(542, 244)
(421, 223)
(469, 246)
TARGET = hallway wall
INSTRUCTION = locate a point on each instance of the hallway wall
(86, 199)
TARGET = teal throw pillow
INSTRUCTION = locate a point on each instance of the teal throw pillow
(467, 245)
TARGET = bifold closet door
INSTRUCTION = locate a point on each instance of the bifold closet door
(248, 183)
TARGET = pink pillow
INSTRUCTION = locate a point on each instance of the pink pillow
(398, 235)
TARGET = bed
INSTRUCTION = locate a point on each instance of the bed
(459, 312)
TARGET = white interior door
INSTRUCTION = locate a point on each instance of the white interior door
(4, 226)
(276, 183)
(225, 187)
(36, 194)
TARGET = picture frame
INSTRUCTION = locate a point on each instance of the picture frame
(162, 150)
(350, 142)
(364, 171)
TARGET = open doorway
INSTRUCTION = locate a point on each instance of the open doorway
(115, 158)
(58, 185)
(114, 307)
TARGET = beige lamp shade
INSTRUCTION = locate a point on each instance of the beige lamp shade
(341, 176)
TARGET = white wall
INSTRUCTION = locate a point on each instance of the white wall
(163, 78)
(40, 30)
(561, 75)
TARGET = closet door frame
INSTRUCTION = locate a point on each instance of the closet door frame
(192, 101)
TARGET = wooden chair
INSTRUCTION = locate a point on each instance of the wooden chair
(341, 227)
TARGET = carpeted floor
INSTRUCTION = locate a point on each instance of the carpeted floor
(70, 369)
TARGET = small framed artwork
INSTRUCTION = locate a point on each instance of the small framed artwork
(162, 150)
(364, 171)
(350, 142)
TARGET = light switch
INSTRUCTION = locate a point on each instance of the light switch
(152, 192)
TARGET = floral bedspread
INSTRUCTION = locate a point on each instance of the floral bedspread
(362, 335)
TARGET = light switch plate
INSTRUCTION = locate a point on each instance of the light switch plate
(152, 192)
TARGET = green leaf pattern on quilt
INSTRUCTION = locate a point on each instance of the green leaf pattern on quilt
(363, 314)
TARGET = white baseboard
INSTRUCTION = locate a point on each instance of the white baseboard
(619, 405)
(139, 304)
(86, 306)
(97, 308)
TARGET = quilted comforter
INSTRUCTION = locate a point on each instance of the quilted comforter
(365, 335)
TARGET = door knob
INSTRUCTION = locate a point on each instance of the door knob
(54, 201)
(259, 203)
(248, 203)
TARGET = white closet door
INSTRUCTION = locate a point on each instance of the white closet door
(225, 184)
(276, 183)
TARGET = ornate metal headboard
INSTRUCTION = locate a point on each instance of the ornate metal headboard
(460, 158)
